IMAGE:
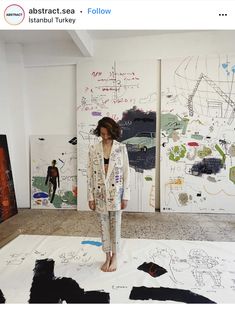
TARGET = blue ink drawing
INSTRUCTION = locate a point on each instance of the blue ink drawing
(40, 195)
(91, 242)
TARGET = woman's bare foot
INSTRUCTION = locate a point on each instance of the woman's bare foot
(105, 266)
(113, 264)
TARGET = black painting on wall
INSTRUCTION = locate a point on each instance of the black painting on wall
(139, 135)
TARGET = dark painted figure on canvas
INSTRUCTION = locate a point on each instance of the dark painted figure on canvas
(52, 179)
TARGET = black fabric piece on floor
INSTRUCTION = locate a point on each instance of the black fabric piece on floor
(164, 294)
(152, 269)
(46, 288)
(2, 298)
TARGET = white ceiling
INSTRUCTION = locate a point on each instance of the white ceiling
(81, 41)
(37, 36)
(33, 36)
(115, 34)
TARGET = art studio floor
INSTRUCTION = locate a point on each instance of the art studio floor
(165, 257)
(210, 227)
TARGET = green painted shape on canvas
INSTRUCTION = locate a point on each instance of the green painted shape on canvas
(171, 122)
(39, 183)
(177, 153)
(206, 151)
(220, 151)
(197, 137)
(68, 198)
(232, 174)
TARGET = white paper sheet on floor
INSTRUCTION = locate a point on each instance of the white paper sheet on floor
(205, 268)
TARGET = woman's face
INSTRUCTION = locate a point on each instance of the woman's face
(104, 133)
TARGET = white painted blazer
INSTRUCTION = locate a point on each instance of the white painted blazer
(109, 191)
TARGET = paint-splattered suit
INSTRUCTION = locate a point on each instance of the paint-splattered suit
(109, 190)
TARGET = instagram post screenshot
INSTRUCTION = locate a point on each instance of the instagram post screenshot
(117, 152)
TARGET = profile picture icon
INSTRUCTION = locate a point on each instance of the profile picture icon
(14, 14)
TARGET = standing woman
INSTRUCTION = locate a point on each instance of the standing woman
(108, 179)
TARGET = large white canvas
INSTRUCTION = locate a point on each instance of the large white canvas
(204, 268)
(197, 134)
(44, 149)
(111, 89)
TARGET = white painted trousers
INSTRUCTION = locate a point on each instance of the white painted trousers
(110, 224)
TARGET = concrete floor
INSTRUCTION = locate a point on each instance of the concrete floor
(211, 227)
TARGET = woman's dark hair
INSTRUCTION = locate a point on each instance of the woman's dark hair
(109, 124)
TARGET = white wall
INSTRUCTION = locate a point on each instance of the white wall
(12, 119)
(50, 96)
(50, 100)
(33, 100)
(4, 112)
(38, 84)
(167, 45)
(50, 53)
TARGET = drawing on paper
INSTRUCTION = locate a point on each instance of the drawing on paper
(126, 92)
(151, 270)
(197, 134)
(53, 172)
